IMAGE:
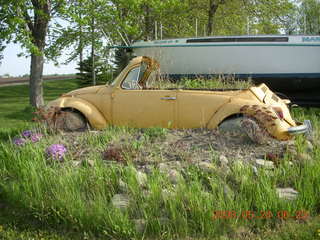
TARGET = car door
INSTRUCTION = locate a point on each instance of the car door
(133, 106)
(196, 108)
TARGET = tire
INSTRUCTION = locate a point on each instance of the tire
(254, 131)
(70, 121)
(231, 125)
(245, 125)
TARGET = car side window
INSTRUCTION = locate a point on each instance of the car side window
(132, 79)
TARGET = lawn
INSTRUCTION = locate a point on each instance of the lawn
(125, 183)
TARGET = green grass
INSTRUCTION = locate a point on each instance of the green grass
(47, 199)
(15, 110)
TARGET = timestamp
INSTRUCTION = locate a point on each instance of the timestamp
(249, 215)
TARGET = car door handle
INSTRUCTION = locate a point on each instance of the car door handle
(168, 98)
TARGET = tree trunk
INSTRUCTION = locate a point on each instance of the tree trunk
(80, 40)
(39, 29)
(92, 55)
(212, 10)
(147, 22)
(36, 89)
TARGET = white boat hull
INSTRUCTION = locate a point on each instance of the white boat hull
(289, 65)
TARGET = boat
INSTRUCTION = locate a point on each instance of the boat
(288, 64)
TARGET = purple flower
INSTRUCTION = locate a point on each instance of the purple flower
(19, 141)
(56, 151)
(36, 137)
(26, 133)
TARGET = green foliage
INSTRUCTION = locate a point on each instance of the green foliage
(121, 59)
(309, 18)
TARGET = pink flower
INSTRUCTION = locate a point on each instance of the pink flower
(56, 151)
(36, 137)
(26, 133)
(19, 141)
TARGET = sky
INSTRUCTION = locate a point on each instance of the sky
(18, 66)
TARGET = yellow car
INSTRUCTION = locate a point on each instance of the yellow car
(132, 100)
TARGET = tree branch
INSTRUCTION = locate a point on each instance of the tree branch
(28, 20)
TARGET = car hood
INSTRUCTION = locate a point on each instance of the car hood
(86, 90)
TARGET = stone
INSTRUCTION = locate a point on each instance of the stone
(292, 151)
(287, 193)
(76, 163)
(223, 160)
(163, 168)
(206, 167)
(148, 169)
(309, 146)
(163, 220)
(167, 194)
(140, 225)
(90, 163)
(120, 201)
(304, 157)
(227, 192)
(264, 164)
(123, 186)
(174, 176)
(255, 170)
(141, 178)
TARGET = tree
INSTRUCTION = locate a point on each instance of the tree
(100, 70)
(27, 23)
(309, 17)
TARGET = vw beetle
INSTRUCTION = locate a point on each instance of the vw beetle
(132, 100)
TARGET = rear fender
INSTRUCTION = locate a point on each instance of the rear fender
(93, 115)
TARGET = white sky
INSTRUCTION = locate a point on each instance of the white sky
(18, 66)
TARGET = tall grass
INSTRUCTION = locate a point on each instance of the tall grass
(80, 198)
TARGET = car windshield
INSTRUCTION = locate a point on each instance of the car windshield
(134, 77)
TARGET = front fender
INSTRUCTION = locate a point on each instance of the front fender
(92, 114)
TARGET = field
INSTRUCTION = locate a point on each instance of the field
(128, 183)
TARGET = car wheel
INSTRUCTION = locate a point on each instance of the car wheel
(254, 130)
(247, 126)
(71, 121)
(231, 125)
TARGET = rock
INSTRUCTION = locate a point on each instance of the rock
(206, 167)
(148, 169)
(223, 160)
(76, 163)
(123, 186)
(255, 170)
(165, 167)
(141, 178)
(227, 192)
(174, 176)
(140, 225)
(163, 220)
(292, 151)
(304, 157)
(287, 193)
(167, 194)
(120, 201)
(309, 146)
(90, 163)
(264, 164)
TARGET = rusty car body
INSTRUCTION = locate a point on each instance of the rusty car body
(131, 101)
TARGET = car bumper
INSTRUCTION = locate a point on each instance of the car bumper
(305, 128)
